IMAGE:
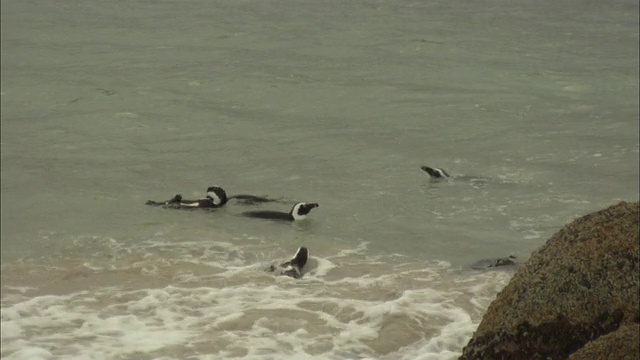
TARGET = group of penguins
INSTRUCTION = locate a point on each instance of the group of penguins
(216, 197)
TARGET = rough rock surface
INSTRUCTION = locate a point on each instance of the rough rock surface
(622, 344)
(582, 284)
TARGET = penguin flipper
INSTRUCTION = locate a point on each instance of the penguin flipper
(173, 201)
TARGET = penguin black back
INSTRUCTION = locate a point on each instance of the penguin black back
(299, 211)
(435, 173)
(246, 199)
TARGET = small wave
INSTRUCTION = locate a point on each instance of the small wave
(210, 300)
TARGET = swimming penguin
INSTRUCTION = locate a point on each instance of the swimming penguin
(294, 266)
(435, 173)
(216, 197)
(494, 263)
(299, 211)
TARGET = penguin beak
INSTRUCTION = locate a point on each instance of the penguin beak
(313, 205)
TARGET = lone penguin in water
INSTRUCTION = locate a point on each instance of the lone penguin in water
(494, 263)
(298, 212)
(438, 175)
(216, 197)
(435, 173)
(294, 266)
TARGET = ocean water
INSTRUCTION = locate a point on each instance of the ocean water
(531, 106)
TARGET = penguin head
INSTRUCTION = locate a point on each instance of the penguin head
(217, 195)
(435, 173)
(302, 209)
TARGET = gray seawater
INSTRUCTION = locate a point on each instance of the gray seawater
(108, 104)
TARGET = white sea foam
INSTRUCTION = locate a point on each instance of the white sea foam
(218, 305)
(30, 353)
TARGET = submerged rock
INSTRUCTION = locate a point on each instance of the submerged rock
(582, 284)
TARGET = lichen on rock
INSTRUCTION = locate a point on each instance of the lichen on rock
(622, 344)
(582, 284)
